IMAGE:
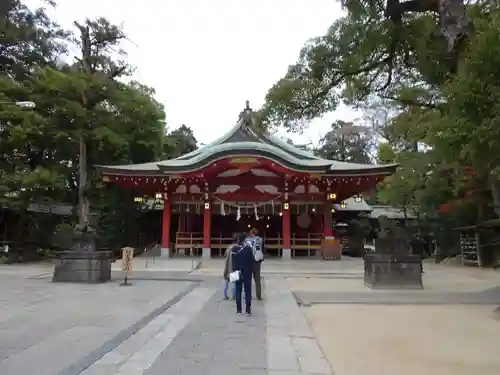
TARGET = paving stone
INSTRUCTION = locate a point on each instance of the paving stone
(102, 369)
(306, 347)
(217, 342)
(149, 342)
(314, 366)
(286, 372)
(113, 358)
(48, 328)
(292, 349)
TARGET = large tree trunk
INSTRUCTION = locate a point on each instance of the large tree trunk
(83, 209)
(454, 22)
(456, 27)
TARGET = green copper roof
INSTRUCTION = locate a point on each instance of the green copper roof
(245, 138)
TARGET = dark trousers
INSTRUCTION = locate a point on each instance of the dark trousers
(256, 277)
(246, 284)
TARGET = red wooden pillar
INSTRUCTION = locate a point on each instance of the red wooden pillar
(207, 228)
(165, 228)
(287, 248)
(327, 219)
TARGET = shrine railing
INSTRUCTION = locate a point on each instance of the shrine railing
(191, 244)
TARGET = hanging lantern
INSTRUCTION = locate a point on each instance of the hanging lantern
(358, 199)
(138, 200)
(286, 206)
(342, 205)
(207, 205)
(158, 195)
(333, 196)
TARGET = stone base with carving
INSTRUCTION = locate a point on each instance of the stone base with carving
(390, 271)
(83, 266)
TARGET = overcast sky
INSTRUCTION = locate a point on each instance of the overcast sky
(206, 57)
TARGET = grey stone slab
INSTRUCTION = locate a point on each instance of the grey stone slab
(217, 342)
(292, 349)
(314, 366)
(306, 347)
(149, 342)
(65, 327)
(398, 298)
(102, 369)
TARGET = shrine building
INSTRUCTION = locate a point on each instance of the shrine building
(247, 179)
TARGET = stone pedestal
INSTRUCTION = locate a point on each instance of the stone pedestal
(206, 253)
(286, 254)
(165, 252)
(391, 271)
(83, 263)
(82, 266)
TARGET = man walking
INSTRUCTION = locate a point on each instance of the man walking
(417, 247)
(256, 244)
(242, 260)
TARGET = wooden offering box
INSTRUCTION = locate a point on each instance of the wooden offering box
(331, 248)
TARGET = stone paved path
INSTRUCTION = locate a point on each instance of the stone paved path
(291, 346)
(218, 343)
(139, 352)
(153, 327)
(57, 327)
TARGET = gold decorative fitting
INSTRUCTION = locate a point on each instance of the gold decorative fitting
(358, 199)
(243, 160)
(207, 205)
(342, 205)
(333, 196)
(286, 206)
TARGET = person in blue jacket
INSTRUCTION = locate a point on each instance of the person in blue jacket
(242, 260)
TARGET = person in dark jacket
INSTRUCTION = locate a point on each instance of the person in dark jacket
(256, 244)
(242, 260)
(228, 268)
(417, 247)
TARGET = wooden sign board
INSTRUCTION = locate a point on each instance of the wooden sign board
(127, 258)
